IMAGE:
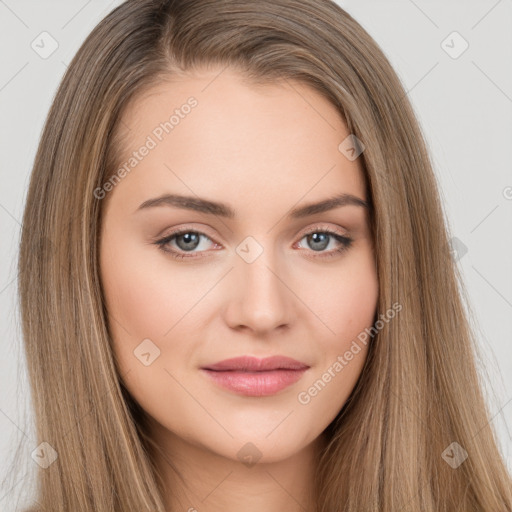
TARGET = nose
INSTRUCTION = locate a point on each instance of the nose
(260, 299)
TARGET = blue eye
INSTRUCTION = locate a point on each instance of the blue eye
(188, 240)
(319, 240)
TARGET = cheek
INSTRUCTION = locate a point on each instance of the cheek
(147, 300)
(145, 294)
(347, 300)
(348, 305)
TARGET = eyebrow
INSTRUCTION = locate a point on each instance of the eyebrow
(223, 210)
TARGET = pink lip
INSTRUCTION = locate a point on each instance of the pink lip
(250, 376)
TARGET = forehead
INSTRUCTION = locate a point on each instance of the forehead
(215, 135)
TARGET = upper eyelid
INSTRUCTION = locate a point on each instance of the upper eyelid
(343, 238)
(315, 228)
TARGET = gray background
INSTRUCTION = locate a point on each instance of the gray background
(464, 105)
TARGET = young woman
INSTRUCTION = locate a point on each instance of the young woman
(236, 283)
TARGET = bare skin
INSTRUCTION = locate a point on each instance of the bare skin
(263, 151)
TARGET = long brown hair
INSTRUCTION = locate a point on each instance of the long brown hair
(419, 391)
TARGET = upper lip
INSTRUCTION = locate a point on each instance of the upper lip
(253, 364)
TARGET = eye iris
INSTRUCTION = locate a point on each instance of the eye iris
(318, 244)
(191, 241)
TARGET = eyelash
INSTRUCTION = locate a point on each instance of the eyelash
(345, 241)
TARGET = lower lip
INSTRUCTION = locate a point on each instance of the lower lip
(255, 383)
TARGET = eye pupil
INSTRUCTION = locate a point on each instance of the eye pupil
(320, 241)
(191, 240)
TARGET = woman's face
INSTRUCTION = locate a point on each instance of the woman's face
(254, 273)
